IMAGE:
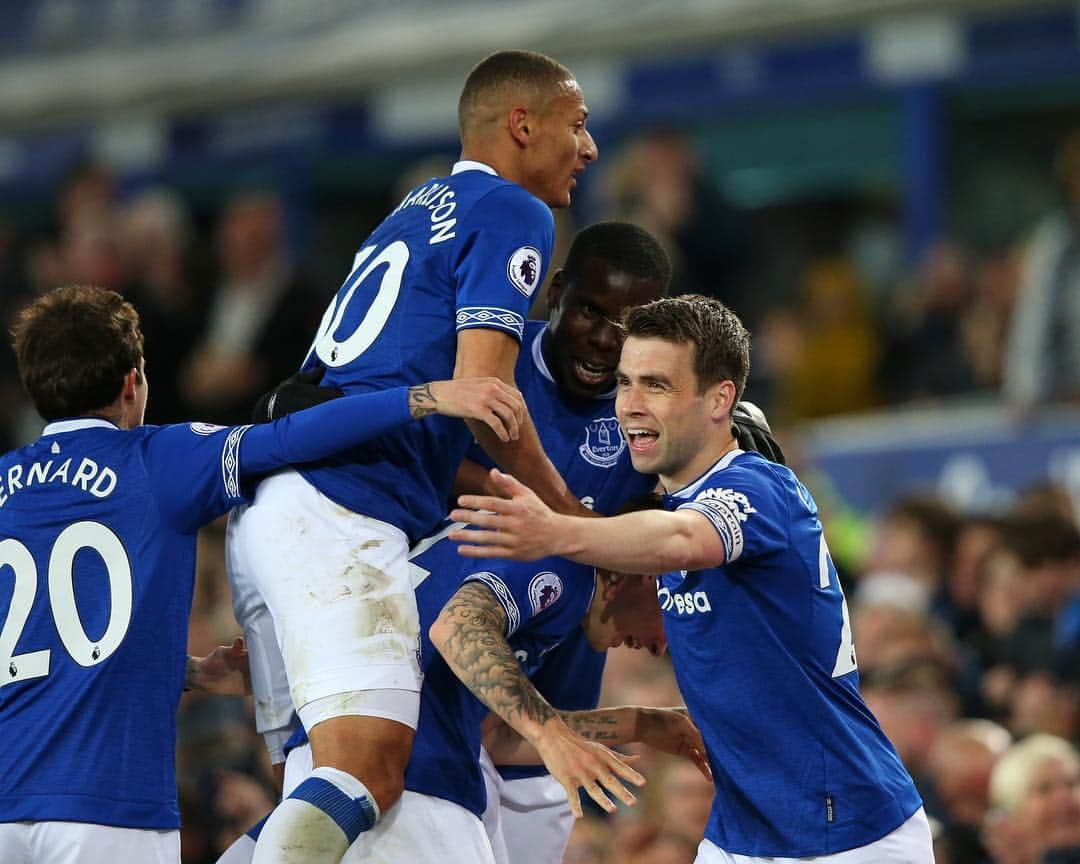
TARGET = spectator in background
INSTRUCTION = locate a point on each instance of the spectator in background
(822, 358)
(915, 540)
(155, 241)
(925, 358)
(1035, 788)
(960, 763)
(657, 182)
(260, 318)
(985, 320)
(1043, 360)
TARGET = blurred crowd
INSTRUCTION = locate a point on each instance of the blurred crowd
(967, 628)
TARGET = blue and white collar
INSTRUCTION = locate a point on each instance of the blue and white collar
(691, 488)
(61, 426)
(471, 165)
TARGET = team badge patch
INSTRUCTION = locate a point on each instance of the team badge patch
(205, 428)
(523, 270)
(544, 589)
(603, 442)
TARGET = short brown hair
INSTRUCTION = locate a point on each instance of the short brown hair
(510, 70)
(721, 343)
(74, 346)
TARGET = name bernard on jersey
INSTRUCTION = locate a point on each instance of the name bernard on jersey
(604, 442)
(98, 480)
(683, 602)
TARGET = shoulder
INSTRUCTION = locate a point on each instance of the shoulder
(743, 486)
(502, 197)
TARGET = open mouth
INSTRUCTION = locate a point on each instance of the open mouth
(593, 374)
(641, 440)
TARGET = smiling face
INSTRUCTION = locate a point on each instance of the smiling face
(559, 146)
(625, 611)
(584, 336)
(672, 429)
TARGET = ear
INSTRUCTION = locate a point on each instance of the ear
(555, 289)
(131, 379)
(722, 400)
(520, 125)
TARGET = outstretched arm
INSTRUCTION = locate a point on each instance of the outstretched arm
(469, 634)
(669, 730)
(521, 527)
(339, 424)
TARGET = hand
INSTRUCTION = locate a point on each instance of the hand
(752, 431)
(577, 763)
(489, 400)
(671, 730)
(223, 671)
(295, 393)
(519, 526)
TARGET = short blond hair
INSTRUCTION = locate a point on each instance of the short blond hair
(1010, 781)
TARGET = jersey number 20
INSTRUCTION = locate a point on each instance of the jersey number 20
(83, 650)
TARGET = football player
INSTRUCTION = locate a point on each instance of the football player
(99, 519)
(442, 284)
(754, 614)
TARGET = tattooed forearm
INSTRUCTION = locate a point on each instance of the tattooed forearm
(610, 725)
(422, 401)
(469, 634)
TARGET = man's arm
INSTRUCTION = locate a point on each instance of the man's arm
(336, 425)
(469, 634)
(669, 730)
(483, 352)
(521, 527)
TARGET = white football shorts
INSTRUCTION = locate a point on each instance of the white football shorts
(336, 585)
(911, 843)
(85, 843)
(419, 829)
(533, 819)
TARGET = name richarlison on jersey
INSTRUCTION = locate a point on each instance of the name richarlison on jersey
(98, 480)
(439, 199)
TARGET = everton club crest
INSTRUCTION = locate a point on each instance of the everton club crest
(603, 442)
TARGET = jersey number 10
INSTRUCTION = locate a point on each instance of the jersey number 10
(83, 650)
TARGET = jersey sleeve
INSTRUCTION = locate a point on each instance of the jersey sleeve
(194, 471)
(526, 590)
(502, 259)
(748, 511)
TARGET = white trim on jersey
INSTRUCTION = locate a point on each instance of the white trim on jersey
(691, 488)
(60, 426)
(491, 317)
(503, 595)
(230, 461)
(472, 165)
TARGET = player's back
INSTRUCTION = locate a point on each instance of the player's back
(459, 252)
(763, 652)
(95, 628)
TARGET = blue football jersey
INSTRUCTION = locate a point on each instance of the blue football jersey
(97, 562)
(763, 654)
(459, 252)
(544, 601)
